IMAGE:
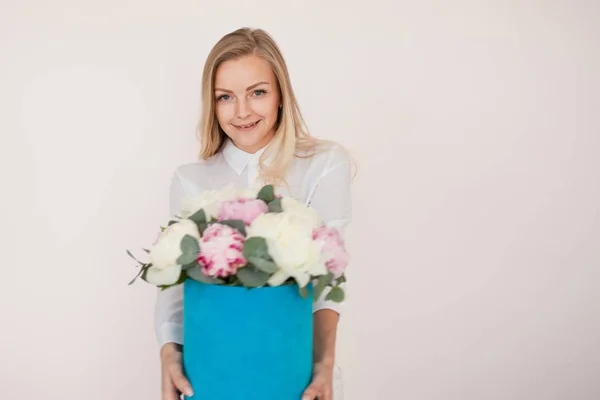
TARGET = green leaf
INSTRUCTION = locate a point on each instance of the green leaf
(275, 206)
(256, 247)
(336, 294)
(132, 256)
(323, 281)
(236, 224)
(197, 275)
(189, 249)
(189, 245)
(172, 222)
(263, 265)
(266, 194)
(251, 277)
(142, 271)
(191, 265)
(232, 280)
(186, 258)
(303, 292)
(198, 217)
(201, 227)
(340, 280)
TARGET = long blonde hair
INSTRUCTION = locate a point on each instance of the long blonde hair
(291, 133)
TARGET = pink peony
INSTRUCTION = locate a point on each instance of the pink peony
(242, 209)
(333, 249)
(221, 251)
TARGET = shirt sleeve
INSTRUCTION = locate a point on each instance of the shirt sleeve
(333, 201)
(168, 316)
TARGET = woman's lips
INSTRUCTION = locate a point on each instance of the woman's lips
(247, 127)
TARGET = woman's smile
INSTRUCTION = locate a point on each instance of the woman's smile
(247, 127)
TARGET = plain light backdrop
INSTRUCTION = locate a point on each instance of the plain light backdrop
(475, 240)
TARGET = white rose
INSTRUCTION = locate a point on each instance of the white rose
(166, 251)
(290, 244)
(210, 200)
(247, 192)
(309, 215)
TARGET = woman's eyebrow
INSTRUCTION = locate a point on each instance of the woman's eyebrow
(248, 88)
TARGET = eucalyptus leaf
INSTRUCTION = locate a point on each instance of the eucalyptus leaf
(323, 281)
(275, 206)
(236, 224)
(266, 194)
(263, 265)
(197, 275)
(191, 265)
(198, 217)
(256, 247)
(189, 245)
(336, 295)
(303, 292)
(186, 258)
(251, 277)
(201, 227)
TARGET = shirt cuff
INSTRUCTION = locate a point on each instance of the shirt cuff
(328, 305)
(170, 332)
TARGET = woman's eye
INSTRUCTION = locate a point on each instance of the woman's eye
(259, 92)
(224, 97)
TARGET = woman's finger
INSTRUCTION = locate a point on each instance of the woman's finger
(168, 392)
(179, 380)
(312, 392)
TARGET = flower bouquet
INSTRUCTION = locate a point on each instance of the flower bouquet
(252, 263)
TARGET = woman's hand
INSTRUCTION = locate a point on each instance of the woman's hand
(173, 380)
(321, 387)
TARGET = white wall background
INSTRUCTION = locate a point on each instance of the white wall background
(476, 231)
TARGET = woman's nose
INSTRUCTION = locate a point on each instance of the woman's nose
(244, 110)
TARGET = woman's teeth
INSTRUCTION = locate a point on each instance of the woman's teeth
(247, 127)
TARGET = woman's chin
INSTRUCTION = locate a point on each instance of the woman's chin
(250, 139)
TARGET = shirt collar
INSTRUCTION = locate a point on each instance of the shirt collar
(237, 158)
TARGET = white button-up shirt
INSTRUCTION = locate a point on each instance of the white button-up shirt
(321, 181)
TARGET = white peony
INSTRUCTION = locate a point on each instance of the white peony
(210, 200)
(307, 215)
(290, 244)
(166, 251)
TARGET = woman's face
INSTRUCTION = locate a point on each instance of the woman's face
(246, 102)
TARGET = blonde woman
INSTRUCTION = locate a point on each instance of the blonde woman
(251, 133)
